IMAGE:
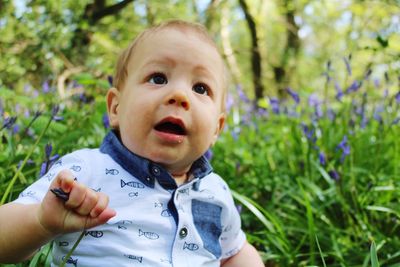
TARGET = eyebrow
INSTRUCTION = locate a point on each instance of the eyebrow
(167, 61)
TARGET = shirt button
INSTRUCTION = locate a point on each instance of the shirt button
(183, 232)
(155, 170)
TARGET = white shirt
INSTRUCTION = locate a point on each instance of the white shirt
(157, 223)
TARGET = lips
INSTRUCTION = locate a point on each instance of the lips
(171, 125)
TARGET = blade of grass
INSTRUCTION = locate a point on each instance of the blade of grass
(374, 256)
(320, 251)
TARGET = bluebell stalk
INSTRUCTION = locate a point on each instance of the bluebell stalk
(274, 102)
(293, 94)
(348, 64)
(334, 175)
(9, 122)
(105, 121)
(345, 147)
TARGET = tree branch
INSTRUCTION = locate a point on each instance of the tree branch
(101, 11)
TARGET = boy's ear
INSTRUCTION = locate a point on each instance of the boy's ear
(219, 128)
(113, 96)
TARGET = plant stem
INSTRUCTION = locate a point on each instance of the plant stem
(17, 174)
(72, 249)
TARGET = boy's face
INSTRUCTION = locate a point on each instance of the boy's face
(169, 109)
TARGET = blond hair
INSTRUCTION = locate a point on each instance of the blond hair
(121, 72)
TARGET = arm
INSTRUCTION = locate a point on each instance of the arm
(247, 256)
(25, 228)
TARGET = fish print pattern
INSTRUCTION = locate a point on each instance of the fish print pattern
(166, 213)
(112, 171)
(131, 184)
(76, 168)
(28, 194)
(149, 235)
(95, 234)
(133, 257)
(49, 176)
(72, 261)
(133, 194)
(190, 246)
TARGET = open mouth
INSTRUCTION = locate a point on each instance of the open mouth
(171, 126)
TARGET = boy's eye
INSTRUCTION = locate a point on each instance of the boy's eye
(158, 78)
(201, 88)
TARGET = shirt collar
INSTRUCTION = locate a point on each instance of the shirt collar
(145, 170)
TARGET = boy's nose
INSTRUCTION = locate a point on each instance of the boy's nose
(178, 98)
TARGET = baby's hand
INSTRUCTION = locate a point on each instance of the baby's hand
(84, 208)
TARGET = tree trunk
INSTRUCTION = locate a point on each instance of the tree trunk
(255, 53)
(283, 72)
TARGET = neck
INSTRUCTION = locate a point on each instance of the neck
(180, 178)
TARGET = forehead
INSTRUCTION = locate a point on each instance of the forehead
(178, 45)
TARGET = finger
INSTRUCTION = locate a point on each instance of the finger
(89, 202)
(63, 177)
(101, 219)
(65, 180)
(101, 205)
(76, 195)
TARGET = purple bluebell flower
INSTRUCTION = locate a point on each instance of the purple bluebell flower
(209, 154)
(48, 148)
(1, 108)
(27, 88)
(274, 102)
(397, 97)
(322, 158)
(45, 87)
(230, 101)
(242, 94)
(313, 100)
(353, 87)
(43, 169)
(9, 122)
(54, 112)
(105, 120)
(339, 91)
(396, 120)
(35, 93)
(331, 114)
(348, 64)
(235, 133)
(377, 113)
(239, 208)
(345, 147)
(110, 80)
(15, 129)
(309, 132)
(377, 83)
(293, 94)
(262, 112)
(334, 175)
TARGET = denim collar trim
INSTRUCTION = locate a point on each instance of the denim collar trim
(145, 170)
